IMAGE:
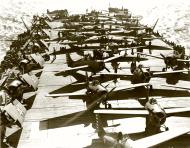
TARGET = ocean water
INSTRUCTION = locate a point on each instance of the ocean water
(174, 16)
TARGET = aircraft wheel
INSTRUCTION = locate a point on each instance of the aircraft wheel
(109, 106)
(46, 57)
(163, 69)
(151, 87)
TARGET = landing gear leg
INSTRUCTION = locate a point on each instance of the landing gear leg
(132, 52)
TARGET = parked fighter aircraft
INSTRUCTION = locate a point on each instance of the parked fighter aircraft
(122, 33)
(33, 62)
(124, 141)
(141, 75)
(104, 39)
(175, 61)
(12, 116)
(87, 63)
(97, 93)
(109, 51)
(148, 30)
(154, 113)
(20, 85)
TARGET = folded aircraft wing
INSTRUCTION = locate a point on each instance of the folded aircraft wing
(67, 94)
(71, 69)
(16, 111)
(170, 72)
(38, 59)
(49, 17)
(3, 80)
(31, 80)
(161, 137)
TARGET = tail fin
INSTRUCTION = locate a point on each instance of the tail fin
(69, 60)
